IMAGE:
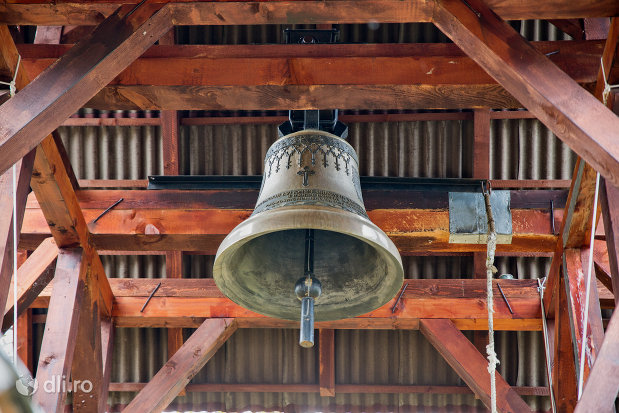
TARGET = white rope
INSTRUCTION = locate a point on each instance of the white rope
(12, 90)
(493, 361)
(12, 86)
(585, 317)
(607, 87)
(541, 286)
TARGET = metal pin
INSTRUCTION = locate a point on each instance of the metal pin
(149, 297)
(478, 14)
(398, 300)
(108, 210)
(551, 53)
(505, 298)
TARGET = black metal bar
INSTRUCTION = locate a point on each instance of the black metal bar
(395, 306)
(309, 252)
(108, 209)
(149, 297)
(504, 298)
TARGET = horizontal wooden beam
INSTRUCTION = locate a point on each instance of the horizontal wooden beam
(301, 97)
(48, 13)
(186, 302)
(166, 220)
(337, 64)
(339, 388)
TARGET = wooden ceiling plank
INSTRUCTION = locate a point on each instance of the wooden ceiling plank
(292, 12)
(181, 368)
(33, 276)
(59, 338)
(68, 84)
(576, 117)
(470, 365)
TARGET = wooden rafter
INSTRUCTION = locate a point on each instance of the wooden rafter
(185, 364)
(62, 89)
(572, 113)
(291, 12)
(470, 365)
(107, 348)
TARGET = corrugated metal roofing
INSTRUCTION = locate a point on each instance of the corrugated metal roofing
(520, 149)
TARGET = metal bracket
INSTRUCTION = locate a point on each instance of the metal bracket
(468, 223)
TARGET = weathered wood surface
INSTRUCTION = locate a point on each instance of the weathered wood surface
(59, 338)
(326, 362)
(295, 12)
(470, 365)
(60, 91)
(181, 368)
(185, 302)
(573, 114)
(33, 276)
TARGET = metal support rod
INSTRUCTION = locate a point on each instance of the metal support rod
(309, 252)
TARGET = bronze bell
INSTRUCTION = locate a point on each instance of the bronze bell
(309, 233)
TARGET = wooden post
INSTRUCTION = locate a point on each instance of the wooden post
(60, 335)
(326, 354)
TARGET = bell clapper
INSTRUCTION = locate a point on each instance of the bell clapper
(307, 289)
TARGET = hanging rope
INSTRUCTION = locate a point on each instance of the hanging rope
(493, 361)
(541, 286)
(12, 89)
(585, 316)
(12, 86)
(607, 88)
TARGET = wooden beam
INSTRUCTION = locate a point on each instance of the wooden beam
(67, 85)
(601, 264)
(47, 35)
(185, 302)
(564, 364)
(470, 365)
(316, 64)
(576, 117)
(573, 27)
(609, 195)
(181, 368)
(339, 388)
(87, 359)
(600, 392)
(418, 222)
(59, 338)
(33, 276)
(326, 362)
(293, 12)
(24, 170)
(575, 264)
(55, 193)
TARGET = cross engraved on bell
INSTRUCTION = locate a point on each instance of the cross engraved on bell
(306, 172)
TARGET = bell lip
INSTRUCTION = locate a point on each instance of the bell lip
(234, 240)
